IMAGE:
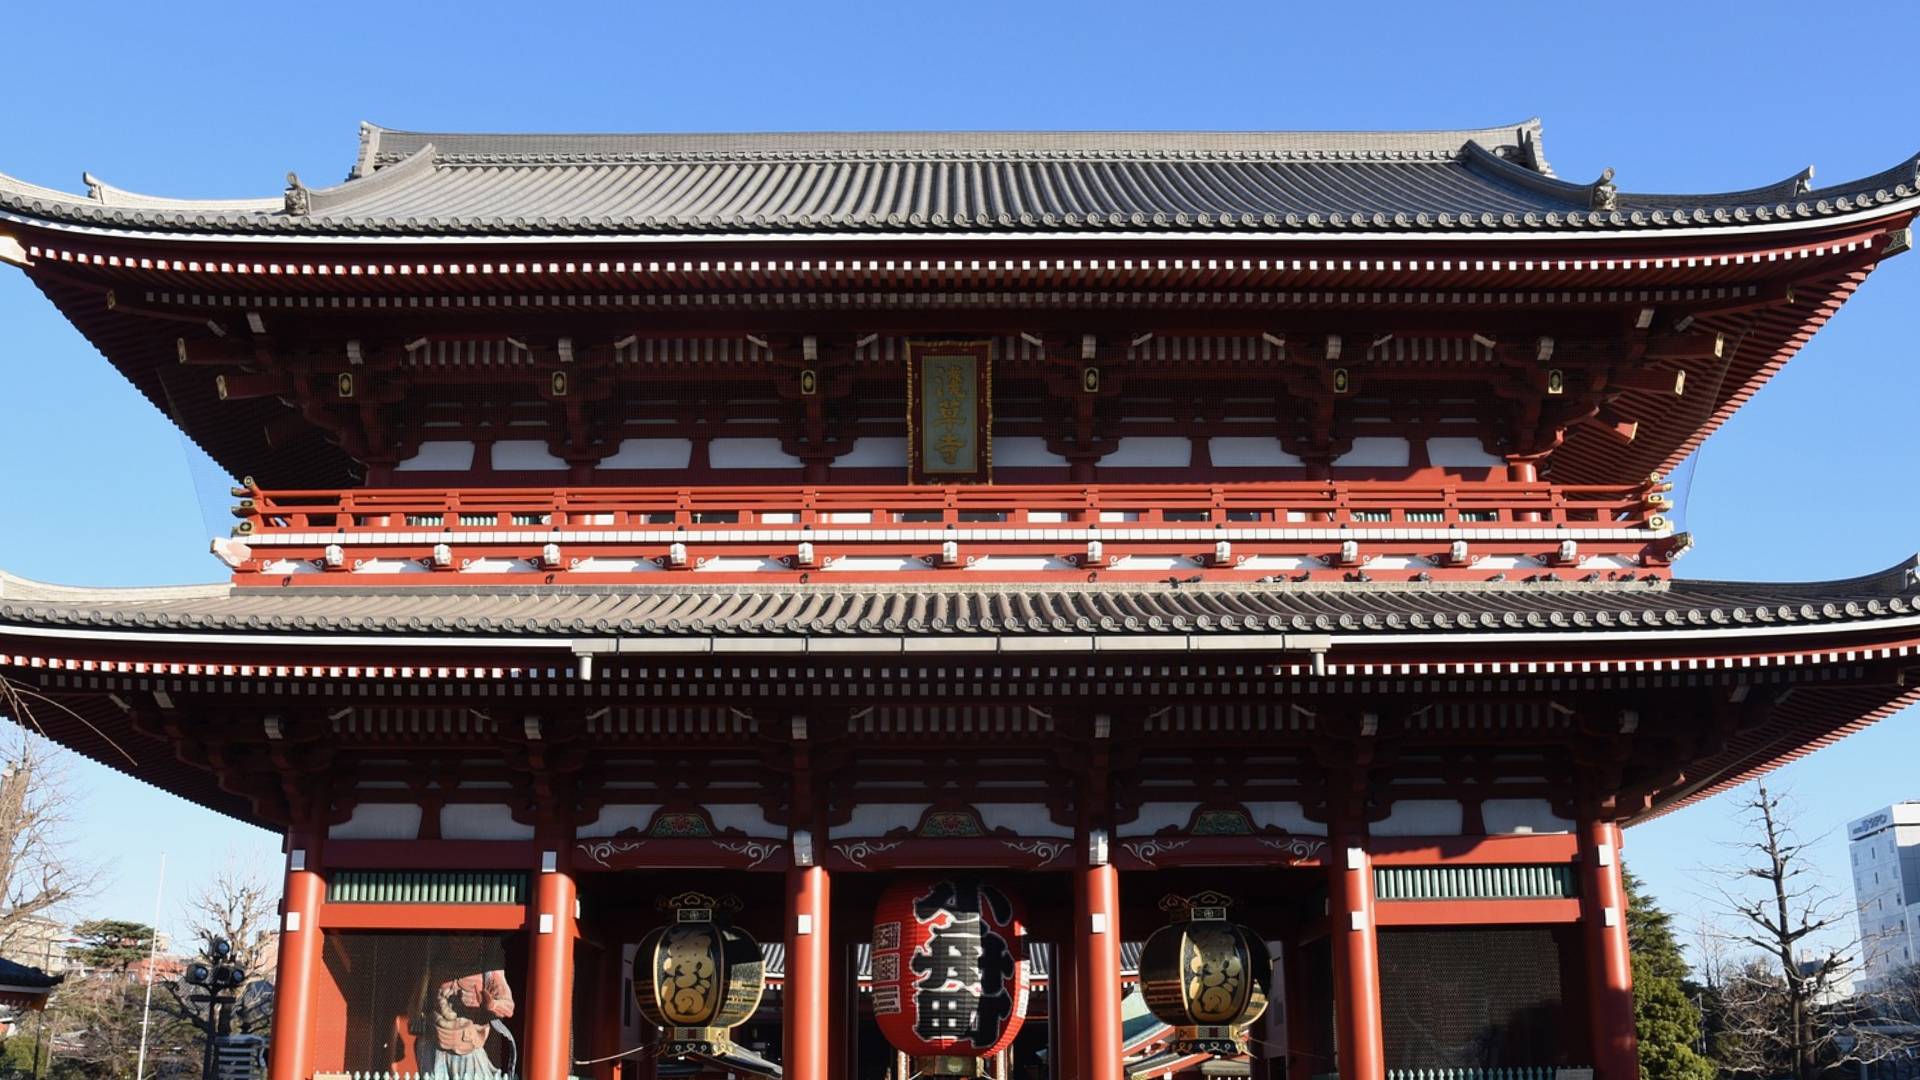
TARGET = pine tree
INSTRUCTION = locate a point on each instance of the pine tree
(112, 944)
(1665, 1018)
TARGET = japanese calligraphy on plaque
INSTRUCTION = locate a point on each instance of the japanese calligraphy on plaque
(949, 412)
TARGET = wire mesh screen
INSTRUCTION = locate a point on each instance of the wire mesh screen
(446, 1005)
(1470, 998)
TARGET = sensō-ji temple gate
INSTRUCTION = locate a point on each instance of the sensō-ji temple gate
(847, 606)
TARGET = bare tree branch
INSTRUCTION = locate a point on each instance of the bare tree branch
(39, 875)
(1784, 1010)
(241, 908)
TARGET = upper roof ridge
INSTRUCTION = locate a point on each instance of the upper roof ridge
(380, 146)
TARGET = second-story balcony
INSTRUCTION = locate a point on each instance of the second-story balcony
(1297, 532)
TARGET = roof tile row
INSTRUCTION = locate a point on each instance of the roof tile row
(881, 184)
(799, 611)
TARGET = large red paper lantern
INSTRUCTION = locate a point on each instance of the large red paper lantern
(949, 971)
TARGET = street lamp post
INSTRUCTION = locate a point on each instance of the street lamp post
(216, 974)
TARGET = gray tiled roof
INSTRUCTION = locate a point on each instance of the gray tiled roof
(879, 184)
(25, 977)
(826, 610)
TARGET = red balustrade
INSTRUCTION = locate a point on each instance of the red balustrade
(1298, 531)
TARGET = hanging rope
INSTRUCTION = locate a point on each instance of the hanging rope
(609, 1057)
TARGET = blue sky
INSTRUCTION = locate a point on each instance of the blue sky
(1811, 480)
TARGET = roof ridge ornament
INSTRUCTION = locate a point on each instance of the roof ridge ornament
(95, 189)
(1605, 195)
(299, 199)
(1803, 183)
(367, 160)
(1529, 150)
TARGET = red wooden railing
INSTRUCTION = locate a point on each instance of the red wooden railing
(1312, 530)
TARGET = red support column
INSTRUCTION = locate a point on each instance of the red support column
(1603, 921)
(1097, 924)
(1356, 956)
(808, 976)
(1526, 471)
(549, 1021)
(299, 963)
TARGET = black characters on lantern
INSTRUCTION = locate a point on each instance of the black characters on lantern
(966, 969)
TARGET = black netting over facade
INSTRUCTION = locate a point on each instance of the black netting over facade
(1465, 998)
(447, 1005)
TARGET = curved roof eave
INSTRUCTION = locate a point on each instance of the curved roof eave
(1318, 619)
(1905, 205)
(108, 197)
(411, 187)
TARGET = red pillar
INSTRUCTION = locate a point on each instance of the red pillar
(809, 974)
(1356, 956)
(1525, 472)
(299, 963)
(1097, 924)
(1603, 921)
(549, 1020)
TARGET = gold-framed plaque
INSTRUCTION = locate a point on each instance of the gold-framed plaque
(949, 412)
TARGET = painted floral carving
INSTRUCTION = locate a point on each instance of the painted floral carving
(1147, 850)
(1299, 847)
(1222, 823)
(679, 825)
(1044, 850)
(951, 824)
(858, 852)
(758, 851)
(604, 851)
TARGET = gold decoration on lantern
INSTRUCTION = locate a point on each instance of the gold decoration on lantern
(1205, 976)
(697, 977)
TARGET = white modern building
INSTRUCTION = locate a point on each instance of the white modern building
(1885, 851)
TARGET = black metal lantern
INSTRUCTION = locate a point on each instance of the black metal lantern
(1205, 976)
(697, 978)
